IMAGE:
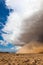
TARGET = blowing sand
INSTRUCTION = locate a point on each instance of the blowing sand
(32, 47)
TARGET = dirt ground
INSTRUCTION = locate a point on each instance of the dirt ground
(21, 59)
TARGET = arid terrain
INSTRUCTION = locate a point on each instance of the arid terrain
(29, 54)
(21, 59)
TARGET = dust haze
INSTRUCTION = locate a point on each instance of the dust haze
(33, 28)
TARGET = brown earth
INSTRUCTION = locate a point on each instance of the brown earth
(30, 54)
(21, 59)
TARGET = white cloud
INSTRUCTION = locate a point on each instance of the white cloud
(17, 48)
(3, 42)
(22, 9)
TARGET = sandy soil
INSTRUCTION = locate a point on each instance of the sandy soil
(30, 54)
(21, 59)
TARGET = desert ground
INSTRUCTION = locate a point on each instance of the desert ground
(21, 59)
(29, 54)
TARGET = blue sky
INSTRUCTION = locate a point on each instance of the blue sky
(12, 15)
(7, 48)
(4, 13)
